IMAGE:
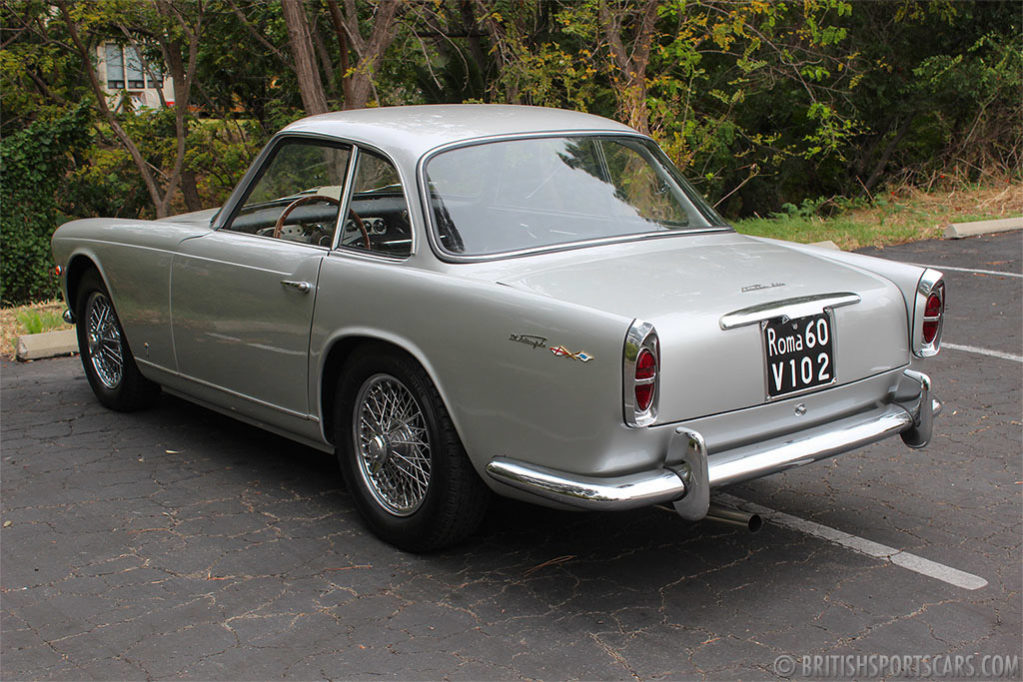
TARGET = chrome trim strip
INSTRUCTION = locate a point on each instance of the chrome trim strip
(799, 306)
(590, 492)
(346, 198)
(571, 246)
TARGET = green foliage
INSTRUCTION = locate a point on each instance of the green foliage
(38, 321)
(35, 162)
(219, 152)
(764, 104)
(809, 208)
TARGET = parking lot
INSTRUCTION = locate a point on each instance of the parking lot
(177, 543)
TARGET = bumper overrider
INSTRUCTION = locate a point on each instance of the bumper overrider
(687, 484)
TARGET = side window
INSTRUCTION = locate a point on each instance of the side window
(297, 195)
(377, 219)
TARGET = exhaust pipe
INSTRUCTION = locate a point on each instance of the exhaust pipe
(734, 517)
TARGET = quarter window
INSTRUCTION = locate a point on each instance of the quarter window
(378, 219)
(297, 194)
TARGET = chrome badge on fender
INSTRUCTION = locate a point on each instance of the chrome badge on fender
(563, 352)
(529, 339)
(534, 341)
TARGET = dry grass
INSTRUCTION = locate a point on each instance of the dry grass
(899, 215)
(11, 327)
(912, 205)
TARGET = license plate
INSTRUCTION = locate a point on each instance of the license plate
(798, 354)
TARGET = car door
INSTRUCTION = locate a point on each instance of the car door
(242, 296)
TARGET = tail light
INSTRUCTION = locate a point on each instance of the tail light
(928, 313)
(641, 367)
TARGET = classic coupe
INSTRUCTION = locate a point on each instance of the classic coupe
(474, 299)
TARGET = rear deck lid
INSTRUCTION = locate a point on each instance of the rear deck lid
(688, 288)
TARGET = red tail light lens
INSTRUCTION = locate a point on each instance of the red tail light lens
(646, 365)
(932, 317)
(646, 376)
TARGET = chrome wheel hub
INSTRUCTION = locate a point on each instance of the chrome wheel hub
(103, 337)
(376, 452)
(392, 445)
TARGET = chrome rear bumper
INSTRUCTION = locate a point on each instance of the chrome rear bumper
(687, 484)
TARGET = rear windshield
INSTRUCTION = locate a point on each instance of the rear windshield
(533, 193)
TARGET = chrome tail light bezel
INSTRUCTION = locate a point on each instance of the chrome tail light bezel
(641, 335)
(931, 282)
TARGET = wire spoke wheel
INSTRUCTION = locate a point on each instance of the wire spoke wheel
(106, 351)
(392, 444)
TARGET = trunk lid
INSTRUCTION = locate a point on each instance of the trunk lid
(685, 286)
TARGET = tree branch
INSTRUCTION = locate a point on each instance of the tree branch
(101, 102)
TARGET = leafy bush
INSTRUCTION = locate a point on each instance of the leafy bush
(34, 163)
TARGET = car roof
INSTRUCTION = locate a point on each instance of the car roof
(406, 133)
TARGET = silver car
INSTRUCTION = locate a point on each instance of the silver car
(474, 299)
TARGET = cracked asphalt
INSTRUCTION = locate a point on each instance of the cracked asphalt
(177, 543)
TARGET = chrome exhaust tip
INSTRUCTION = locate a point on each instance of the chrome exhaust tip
(733, 517)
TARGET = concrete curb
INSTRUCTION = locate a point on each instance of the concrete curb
(960, 230)
(828, 244)
(47, 345)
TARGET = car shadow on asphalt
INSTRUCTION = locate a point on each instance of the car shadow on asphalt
(510, 528)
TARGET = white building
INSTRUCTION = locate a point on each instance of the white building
(121, 70)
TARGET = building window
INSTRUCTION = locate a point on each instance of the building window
(136, 80)
(115, 67)
(125, 69)
(154, 79)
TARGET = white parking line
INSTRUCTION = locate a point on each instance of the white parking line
(983, 351)
(913, 562)
(977, 270)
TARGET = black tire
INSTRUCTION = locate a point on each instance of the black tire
(385, 464)
(101, 343)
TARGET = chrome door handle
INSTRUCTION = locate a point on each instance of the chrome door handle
(304, 287)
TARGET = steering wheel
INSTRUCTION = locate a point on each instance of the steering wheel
(318, 197)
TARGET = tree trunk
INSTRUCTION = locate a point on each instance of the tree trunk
(630, 80)
(183, 74)
(342, 44)
(359, 85)
(310, 86)
(190, 191)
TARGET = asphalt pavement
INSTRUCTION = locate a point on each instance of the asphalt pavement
(178, 543)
